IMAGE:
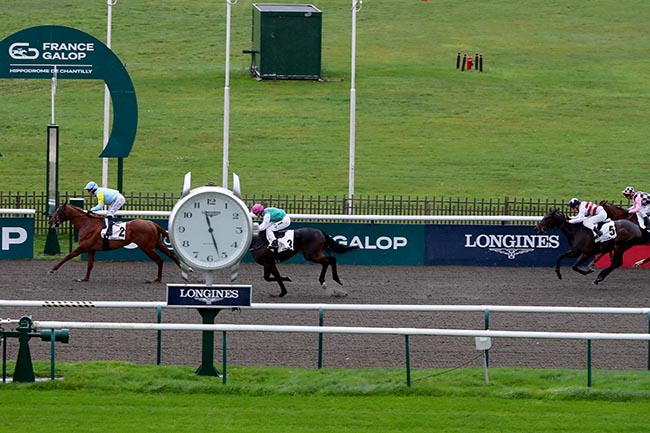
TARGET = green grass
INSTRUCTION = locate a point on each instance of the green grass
(116, 397)
(559, 111)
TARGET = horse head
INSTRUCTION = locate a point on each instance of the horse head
(59, 216)
(554, 218)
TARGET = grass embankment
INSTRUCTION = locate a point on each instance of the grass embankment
(560, 109)
(116, 397)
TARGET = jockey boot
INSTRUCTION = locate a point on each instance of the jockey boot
(646, 220)
(598, 232)
(109, 227)
(274, 246)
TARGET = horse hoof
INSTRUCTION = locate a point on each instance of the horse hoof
(595, 283)
(81, 280)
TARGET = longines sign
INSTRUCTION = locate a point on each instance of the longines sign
(489, 245)
(214, 296)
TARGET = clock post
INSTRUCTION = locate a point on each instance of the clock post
(210, 229)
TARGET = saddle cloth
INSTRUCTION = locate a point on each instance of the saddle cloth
(609, 232)
(119, 231)
(285, 242)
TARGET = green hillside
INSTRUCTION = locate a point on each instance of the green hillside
(560, 109)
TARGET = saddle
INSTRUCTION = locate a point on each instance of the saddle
(118, 232)
(285, 240)
(608, 230)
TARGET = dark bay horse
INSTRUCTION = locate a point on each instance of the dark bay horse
(582, 245)
(315, 246)
(146, 234)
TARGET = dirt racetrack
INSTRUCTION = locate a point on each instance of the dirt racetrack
(124, 281)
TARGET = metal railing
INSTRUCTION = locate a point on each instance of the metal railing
(310, 205)
(321, 329)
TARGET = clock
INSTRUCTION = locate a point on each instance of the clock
(210, 228)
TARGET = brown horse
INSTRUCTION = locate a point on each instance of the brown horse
(618, 213)
(312, 244)
(146, 234)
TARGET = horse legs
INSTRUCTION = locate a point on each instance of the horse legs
(641, 262)
(271, 269)
(161, 247)
(325, 262)
(617, 260)
(321, 278)
(72, 255)
(151, 253)
(583, 258)
(91, 263)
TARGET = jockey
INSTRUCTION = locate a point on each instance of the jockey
(107, 196)
(589, 214)
(641, 204)
(273, 219)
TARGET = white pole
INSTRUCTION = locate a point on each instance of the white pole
(54, 74)
(107, 96)
(226, 100)
(356, 6)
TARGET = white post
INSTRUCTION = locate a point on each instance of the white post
(54, 74)
(226, 100)
(107, 96)
(356, 6)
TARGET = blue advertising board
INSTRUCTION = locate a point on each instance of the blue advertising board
(16, 238)
(420, 244)
(490, 245)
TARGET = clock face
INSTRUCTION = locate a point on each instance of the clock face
(210, 228)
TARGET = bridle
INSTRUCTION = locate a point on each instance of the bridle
(62, 209)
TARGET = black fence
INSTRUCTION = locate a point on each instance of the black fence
(377, 205)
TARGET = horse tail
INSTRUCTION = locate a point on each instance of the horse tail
(161, 232)
(333, 246)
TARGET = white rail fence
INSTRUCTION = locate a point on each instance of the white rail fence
(18, 211)
(325, 217)
(321, 330)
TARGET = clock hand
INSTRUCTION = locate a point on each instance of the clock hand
(211, 230)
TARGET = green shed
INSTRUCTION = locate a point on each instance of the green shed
(286, 42)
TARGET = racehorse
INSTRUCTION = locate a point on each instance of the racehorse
(146, 234)
(583, 246)
(312, 243)
(618, 213)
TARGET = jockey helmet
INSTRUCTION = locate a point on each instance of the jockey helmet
(628, 191)
(91, 186)
(257, 209)
(574, 202)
